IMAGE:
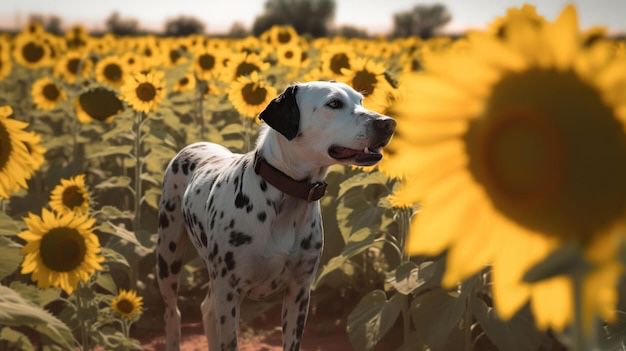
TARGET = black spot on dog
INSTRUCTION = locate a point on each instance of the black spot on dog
(172, 246)
(233, 312)
(229, 297)
(300, 295)
(163, 272)
(175, 286)
(261, 216)
(203, 237)
(222, 319)
(241, 200)
(170, 206)
(224, 271)
(306, 242)
(239, 238)
(221, 214)
(263, 185)
(249, 208)
(163, 221)
(318, 246)
(175, 267)
(274, 285)
(192, 166)
(231, 225)
(185, 167)
(175, 168)
(197, 191)
(300, 324)
(229, 260)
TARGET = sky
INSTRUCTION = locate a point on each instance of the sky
(373, 15)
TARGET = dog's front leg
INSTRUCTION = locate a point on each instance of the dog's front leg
(226, 315)
(295, 311)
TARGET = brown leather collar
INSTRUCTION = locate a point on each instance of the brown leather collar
(302, 189)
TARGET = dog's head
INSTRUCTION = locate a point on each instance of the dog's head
(327, 121)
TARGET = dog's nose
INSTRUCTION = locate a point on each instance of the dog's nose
(385, 125)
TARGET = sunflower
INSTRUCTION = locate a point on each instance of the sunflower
(30, 51)
(100, 104)
(289, 55)
(250, 94)
(144, 92)
(46, 94)
(369, 78)
(517, 143)
(127, 304)
(207, 64)
(527, 13)
(72, 66)
(60, 250)
(335, 58)
(283, 35)
(70, 196)
(185, 83)
(111, 70)
(241, 65)
(16, 164)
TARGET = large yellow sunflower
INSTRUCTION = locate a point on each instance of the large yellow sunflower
(207, 63)
(100, 104)
(70, 196)
(368, 78)
(250, 94)
(16, 164)
(516, 147)
(240, 65)
(144, 92)
(61, 250)
(111, 70)
(30, 51)
(46, 94)
(127, 304)
(74, 65)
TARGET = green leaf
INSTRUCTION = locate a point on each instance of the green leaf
(119, 231)
(372, 318)
(15, 311)
(564, 260)
(124, 150)
(40, 297)
(112, 256)
(435, 314)
(362, 179)
(16, 339)
(105, 281)
(9, 226)
(405, 278)
(151, 197)
(111, 212)
(10, 256)
(519, 333)
(358, 209)
(115, 182)
(613, 335)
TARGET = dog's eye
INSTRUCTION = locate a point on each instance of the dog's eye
(335, 104)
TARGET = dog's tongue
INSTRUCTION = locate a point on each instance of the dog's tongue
(340, 152)
(365, 156)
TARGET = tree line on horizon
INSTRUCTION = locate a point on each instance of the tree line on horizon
(308, 17)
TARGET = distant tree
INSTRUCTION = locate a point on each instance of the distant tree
(421, 20)
(348, 31)
(237, 30)
(122, 26)
(52, 24)
(306, 16)
(183, 25)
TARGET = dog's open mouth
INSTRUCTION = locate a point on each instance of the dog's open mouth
(369, 156)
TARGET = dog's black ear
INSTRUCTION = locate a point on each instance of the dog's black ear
(283, 114)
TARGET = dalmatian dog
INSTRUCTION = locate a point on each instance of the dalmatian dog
(254, 218)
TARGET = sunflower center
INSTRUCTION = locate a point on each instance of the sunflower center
(550, 154)
(72, 65)
(5, 146)
(364, 82)
(62, 249)
(125, 306)
(289, 54)
(339, 61)
(284, 37)
(206, 62)
(246, 68)
(51, 92)
(253, 94)
(174, 56)
(113, 72)
(100, 103)
(183, 81)
(145, 91)
(32, 52)
(73, 197)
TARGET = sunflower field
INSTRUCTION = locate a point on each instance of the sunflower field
(495, 221)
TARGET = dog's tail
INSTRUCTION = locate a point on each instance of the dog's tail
(171, 244)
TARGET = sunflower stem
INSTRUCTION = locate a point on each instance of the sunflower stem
(80, 304)
(138, 165)
(246, 132)
(582, 341)
(200, 88)
(125, 328)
